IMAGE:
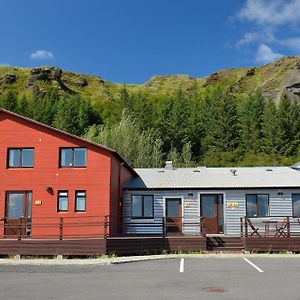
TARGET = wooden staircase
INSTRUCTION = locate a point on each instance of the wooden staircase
(224, 244)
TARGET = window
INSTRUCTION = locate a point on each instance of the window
(20, 157)
(142, 207)
(296, 205)
(72, 157)
(257, 205)
(63, 200)
(80, 200)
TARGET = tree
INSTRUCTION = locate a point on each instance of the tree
(221, 124)
(271, 130)
(251, 120)
(139, 148)
(73, 115)
(173, 121)
(288, 123)
(9, 101)
(23, 106)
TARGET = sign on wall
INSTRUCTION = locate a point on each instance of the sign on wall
(232, 204)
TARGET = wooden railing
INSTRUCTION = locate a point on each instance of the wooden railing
(273, 226)
(59, 228)
(164, 226)
(88, 227)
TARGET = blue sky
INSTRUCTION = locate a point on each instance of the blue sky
(131, 40)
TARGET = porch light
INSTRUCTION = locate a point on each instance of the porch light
(49, 189)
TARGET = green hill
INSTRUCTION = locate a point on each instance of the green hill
(272, 79)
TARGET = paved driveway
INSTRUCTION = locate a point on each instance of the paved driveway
(188, 278)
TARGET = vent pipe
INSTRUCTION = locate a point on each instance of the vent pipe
(169, 165)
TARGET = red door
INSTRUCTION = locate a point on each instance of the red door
(18, 214)
(173, 215)
(211, 206)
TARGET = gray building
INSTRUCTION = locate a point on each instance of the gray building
(194, 201)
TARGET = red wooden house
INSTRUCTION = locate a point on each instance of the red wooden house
(50, 177)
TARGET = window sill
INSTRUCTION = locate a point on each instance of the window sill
(141, 220)
(20, 168)
(72, 167)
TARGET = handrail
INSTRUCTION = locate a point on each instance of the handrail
(69, 227)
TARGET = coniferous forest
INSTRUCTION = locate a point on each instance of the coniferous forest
(191, 128)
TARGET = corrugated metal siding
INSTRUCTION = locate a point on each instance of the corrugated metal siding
(233, 215)
(280, 205)
(190, 208)
(134, 226)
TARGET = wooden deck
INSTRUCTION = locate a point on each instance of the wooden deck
(94, 247)
(86, 247)
(146, 245)
(272, 244)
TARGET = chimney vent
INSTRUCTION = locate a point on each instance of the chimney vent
(169, 165)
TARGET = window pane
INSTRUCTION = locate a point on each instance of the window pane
(80, 201)
(296, 205)
(263, 205)
(148, 206)
(173, 208)
(251, 206)
(80, 157)
(27, 158)
(66, 159)
(137, 206)
(15, 205)
(208, 206)
(62, 201)
(14, 158)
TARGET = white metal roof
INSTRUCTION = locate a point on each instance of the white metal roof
(206, 178)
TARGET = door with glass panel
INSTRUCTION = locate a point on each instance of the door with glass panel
(173, 215)
(18, 214)
(212, 212)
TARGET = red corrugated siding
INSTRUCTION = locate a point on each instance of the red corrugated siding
(95, 179)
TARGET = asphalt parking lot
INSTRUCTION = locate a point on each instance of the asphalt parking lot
(178, 278)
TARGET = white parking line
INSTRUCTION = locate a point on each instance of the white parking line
(253, 265)
(181, 268)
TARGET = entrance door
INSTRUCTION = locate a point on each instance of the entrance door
(211, 206)
(173, 215)
(18, 214)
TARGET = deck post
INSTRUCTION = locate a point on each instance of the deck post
(246, 227)
(20, 229)
(288, 227)
(163, 227)
(61, 226)
(105, 227)
(242, 227)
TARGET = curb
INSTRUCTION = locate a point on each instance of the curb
(129, 259)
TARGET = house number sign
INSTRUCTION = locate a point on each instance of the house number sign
(232, 204)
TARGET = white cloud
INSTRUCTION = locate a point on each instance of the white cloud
(265, 54)
(251, 37)
(41, 55)
(265, 20)
(291, 43)
(272, 13)
(4, 64)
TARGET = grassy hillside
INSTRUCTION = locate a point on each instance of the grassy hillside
(271, 79)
